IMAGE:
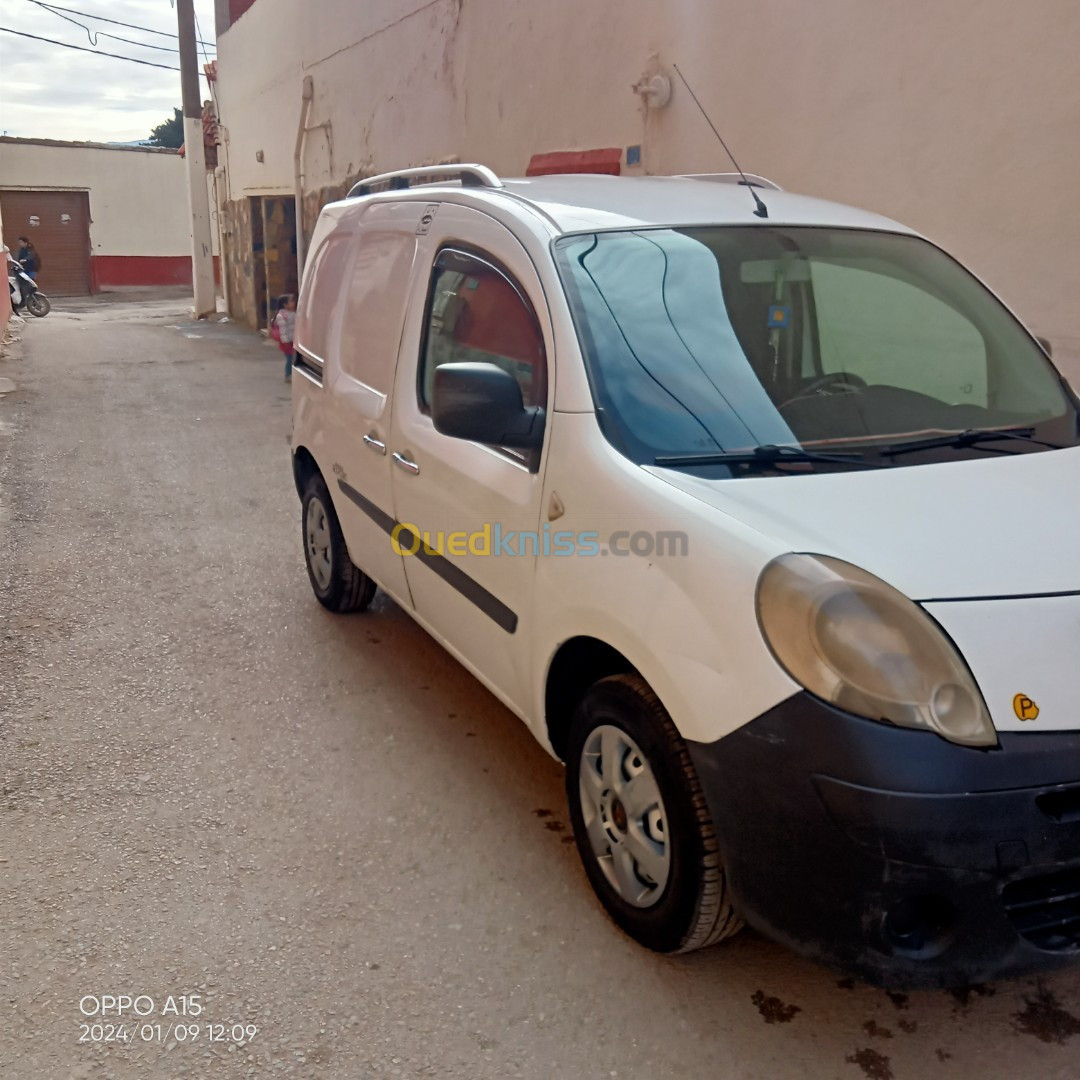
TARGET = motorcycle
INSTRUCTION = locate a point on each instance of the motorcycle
(25, 295)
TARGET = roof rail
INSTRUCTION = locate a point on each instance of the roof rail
(469, 175)
(734, 178)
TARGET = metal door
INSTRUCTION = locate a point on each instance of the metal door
(57, 223)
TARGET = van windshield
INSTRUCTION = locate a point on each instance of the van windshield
(803, 347)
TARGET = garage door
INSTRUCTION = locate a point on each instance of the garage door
(58, 225)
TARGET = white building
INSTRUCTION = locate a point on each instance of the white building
(101, 216)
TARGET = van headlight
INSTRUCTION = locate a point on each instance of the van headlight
(857, 643)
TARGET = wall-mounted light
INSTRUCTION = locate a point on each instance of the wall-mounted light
(654, 90)
(259, 156)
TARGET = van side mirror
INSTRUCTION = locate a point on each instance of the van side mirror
(482, 403)
(1046, 346)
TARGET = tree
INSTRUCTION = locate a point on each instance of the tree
(170, 133)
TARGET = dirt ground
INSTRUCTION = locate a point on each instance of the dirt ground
(323, 828)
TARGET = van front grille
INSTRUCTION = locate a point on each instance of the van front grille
(1046, 910)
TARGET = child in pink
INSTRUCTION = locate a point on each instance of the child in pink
(285, 325)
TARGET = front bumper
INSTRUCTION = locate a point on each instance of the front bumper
(895, 854)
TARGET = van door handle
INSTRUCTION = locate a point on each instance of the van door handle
(406, 464)
(375, 444)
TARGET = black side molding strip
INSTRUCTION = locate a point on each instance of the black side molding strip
(453, 575)
(1011, 596)
(473, 591)
(383, 520)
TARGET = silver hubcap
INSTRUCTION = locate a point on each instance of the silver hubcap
(624, 816)
(317, 530)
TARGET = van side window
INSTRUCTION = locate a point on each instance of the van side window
(476, 312)
(319, 297)
(375, 295)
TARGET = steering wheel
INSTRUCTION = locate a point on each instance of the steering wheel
(841, 380)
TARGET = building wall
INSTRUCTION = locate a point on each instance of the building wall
(960, 119)
(140, 231)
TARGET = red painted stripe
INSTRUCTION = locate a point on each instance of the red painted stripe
(114, 271)
(608, 162)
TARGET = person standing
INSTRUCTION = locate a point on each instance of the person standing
(285, 325)
(28, 258)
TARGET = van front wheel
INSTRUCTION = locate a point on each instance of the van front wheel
(641, 823)
(338, 583)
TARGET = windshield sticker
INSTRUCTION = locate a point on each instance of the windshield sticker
(1025, 708)
(779, 316)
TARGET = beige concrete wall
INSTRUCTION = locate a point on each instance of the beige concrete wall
(959, 117)
(138, 198)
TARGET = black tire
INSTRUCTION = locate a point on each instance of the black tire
(343, 587)
(693, 909)
(38, 305)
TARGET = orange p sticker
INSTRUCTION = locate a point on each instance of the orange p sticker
(1025, 708)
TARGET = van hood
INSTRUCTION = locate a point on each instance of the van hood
(1003, 526)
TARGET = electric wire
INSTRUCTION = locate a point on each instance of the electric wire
(94, 35)
(206, 63)
(83, 48)
(114, 22)
(198, 32)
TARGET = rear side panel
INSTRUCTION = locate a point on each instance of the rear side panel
(349, 326)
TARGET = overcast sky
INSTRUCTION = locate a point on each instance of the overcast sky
(48, 92)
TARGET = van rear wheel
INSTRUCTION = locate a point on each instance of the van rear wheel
(338, 583)
(641, 823)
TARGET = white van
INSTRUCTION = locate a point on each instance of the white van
(767, 526)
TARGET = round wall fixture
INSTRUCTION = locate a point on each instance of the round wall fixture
(655, 90)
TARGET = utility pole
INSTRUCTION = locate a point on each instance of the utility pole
(202, 258)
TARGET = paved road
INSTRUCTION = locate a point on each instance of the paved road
(322, 825)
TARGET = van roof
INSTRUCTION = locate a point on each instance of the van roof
(589, 203)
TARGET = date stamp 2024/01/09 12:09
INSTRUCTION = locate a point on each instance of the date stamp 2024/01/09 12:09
(124, 1019)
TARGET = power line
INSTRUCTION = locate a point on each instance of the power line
(94, 35)
(127, 41)
(82, 48)
(206, 62)
(198, 28)
(93, 39)
(114, 22)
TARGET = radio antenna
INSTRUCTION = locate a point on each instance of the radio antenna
(761, 210)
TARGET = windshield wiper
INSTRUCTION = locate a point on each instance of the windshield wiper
(766, 457)
(970, 438)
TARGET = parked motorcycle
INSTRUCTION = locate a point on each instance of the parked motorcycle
(25, 295)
